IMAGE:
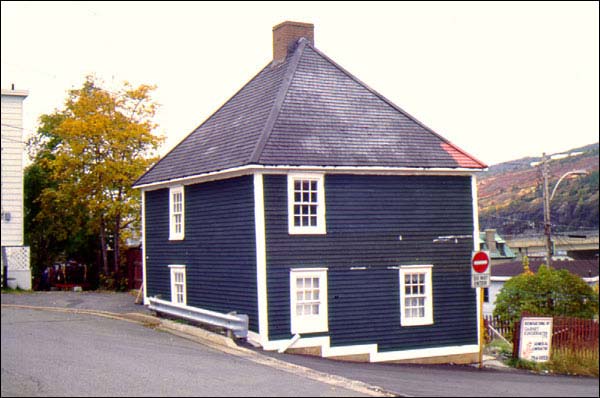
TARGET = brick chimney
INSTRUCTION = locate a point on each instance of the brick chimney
(490, 240)
(286, 34)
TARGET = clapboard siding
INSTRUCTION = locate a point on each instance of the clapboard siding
(218, 250)
(365, 216)
(12, 166)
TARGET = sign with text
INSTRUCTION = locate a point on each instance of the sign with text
(480, 269)
(536, 339)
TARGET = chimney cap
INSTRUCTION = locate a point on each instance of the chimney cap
(294, 23)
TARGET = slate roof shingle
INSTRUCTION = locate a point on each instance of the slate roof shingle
(307, 111)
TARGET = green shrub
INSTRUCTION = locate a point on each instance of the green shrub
(548, 292)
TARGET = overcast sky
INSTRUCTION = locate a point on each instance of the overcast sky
(500, 80)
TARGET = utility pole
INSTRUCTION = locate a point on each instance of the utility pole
(547, 198)
(547, 225)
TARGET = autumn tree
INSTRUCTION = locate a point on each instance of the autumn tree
(92, 151)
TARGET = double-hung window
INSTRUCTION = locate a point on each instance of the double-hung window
(178, 285)
(176, 213)
(306, 204)
(308, 293)
(416, 298)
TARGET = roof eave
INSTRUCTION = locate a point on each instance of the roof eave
(278, 169)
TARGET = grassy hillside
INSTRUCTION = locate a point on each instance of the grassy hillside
(510, 195)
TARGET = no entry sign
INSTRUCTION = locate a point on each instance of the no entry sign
(480, 269)
(480, 262)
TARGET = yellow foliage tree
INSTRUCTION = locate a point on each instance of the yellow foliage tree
(103, 141)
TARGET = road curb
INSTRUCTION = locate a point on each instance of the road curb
(223, 344)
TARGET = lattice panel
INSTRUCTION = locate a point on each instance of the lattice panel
(17, 257)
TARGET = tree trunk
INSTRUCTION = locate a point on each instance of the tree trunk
(117, 237)
(103, 248)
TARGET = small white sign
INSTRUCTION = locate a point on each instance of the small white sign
(480, 280)
(536, 339)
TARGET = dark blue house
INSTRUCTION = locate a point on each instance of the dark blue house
(337, 222)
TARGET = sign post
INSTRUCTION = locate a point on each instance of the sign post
(480, 278)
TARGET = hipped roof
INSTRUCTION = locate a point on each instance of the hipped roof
(308, 111)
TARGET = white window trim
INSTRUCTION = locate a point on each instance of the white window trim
(320, 228)
(309, 323)
(173, 235)
(174, 268)
(428, 318)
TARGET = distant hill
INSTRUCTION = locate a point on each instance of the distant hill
(510, 195)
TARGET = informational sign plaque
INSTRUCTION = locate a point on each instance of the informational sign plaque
(536, 339)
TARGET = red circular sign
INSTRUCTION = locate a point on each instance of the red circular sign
(480, 262)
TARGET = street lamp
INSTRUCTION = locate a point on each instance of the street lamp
(548, 199)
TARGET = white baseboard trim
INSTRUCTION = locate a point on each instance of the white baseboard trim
(371, 349)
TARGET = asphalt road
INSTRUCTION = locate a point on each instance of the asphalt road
(63, 354)
(48, 353)
(452, 380)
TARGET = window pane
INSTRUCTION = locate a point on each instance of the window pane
(306, 197)
(313, 197)
(297, 185)
(313, 185)
(305, 185)
(297, 222)
(299, 309)
(315, 309)
(297, 197)
(299, 283)
(315, 282)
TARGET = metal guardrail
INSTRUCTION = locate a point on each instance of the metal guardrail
(237, 323)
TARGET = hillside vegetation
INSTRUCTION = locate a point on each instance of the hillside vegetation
(510, 195)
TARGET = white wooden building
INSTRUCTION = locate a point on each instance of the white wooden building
(15, 256)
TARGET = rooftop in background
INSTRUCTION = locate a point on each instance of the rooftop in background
(586, 269)
(500, 249)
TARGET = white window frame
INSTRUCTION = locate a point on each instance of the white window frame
(309, 323)
(177, 297)
(427, 318)
(320, 228)
(173, 233)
